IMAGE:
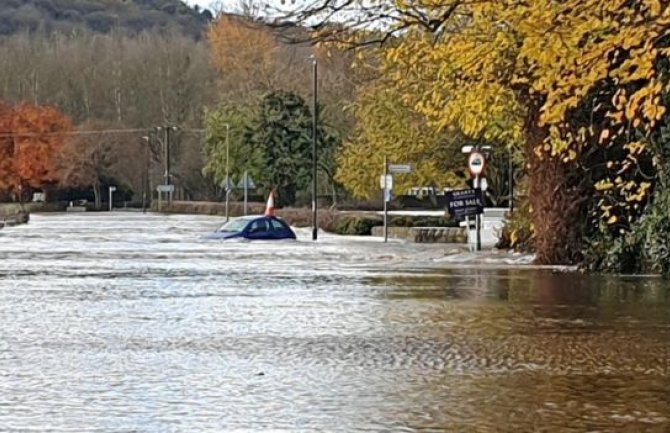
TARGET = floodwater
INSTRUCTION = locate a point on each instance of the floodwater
(133, 323)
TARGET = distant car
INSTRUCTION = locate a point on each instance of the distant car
(254, 228)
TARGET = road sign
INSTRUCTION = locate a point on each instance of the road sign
(476, 163)
(249, 183)
(165, 188)
(227, 184)
(112, 188)
(483, 184)
(400, 168)
(386, 182)
(465, 202)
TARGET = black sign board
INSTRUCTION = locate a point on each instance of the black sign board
(465, 202)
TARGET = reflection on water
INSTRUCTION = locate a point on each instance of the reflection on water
(133, 323)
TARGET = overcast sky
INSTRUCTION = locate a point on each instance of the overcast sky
(214, 4)
(203, 3)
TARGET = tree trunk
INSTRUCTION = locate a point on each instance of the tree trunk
(98, 198)
(556, 201)
(334, 192)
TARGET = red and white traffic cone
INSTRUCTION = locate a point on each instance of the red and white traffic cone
(270, 208)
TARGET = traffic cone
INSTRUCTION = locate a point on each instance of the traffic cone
(270, 208)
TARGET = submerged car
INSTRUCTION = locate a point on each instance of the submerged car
(254, 227)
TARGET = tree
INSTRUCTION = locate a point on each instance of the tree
(387, 127)
(91, 157)
(39, 133)
(245, 53)
(229, 122)
(7, 172)
(147, 80)
(283, 133)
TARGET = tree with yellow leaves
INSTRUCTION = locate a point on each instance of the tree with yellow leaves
(388, 128)
(567, 79)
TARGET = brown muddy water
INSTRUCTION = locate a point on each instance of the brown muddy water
(134, 323)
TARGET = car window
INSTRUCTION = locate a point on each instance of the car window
(236, 225)
(278, 226)
(258, 226)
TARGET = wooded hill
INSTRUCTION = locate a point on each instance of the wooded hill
(132, 16)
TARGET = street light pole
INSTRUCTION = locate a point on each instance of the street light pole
(227, 170)
(314, 138)
(511, 181)
(146, 139)
(166, 149)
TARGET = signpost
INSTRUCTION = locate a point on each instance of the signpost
(165, 188)
(227, 185)
(400, 168)
(111, 192)
(386, 184)
(246, 183)
(476, 165)
(385, 196)
(169, 189)
(386, 181)
(465, 202)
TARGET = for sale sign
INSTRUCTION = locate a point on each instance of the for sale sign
(465, 202)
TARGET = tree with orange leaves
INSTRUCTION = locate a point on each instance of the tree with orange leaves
(6, 148)
(245, 54)
(30, 139)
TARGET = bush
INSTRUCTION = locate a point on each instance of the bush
(422, 221)
(518, 233)
(357, 225)
(643, 249)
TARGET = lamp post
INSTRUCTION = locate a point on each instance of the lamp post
(227, 170)
(145, 177)
(314, 138)
(511, 181)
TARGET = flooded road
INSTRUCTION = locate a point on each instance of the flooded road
(133, 323)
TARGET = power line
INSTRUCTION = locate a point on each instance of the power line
(7, 134)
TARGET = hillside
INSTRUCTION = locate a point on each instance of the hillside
(132, 16)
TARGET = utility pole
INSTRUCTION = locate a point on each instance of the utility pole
(314, 138)
(227, 170)
(146, 139)
(167, 162)
(385, 196)
(478, 217)
(166, 149)
(246, 190)
(511, 181)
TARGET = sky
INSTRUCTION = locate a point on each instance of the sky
(213, 4)
(203, 3)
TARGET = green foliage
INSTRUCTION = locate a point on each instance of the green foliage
(282, 134)
(361, 225)
(518, 232)
(357, 225)
(422, 221)
(645, 248)
(243, 155)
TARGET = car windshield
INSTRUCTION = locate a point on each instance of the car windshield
(236, 225)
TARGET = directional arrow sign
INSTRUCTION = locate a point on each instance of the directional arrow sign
(400, 168)
(165, 188)
(386, 182)
(227, 184)
(248, 181)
